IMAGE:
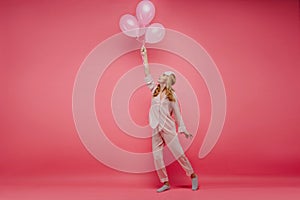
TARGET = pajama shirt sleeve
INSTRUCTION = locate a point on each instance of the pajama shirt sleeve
(178, 117)
(150, 83)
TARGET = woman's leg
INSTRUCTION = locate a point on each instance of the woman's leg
(171, 139)
(186, 165)
(157, 150)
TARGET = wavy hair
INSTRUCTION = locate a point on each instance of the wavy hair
(168, 89)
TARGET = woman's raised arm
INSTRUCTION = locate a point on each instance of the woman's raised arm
(145, 60)
(148, 78)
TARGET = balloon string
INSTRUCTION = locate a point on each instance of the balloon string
(140, 40)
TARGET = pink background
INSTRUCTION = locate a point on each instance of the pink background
(255, 44)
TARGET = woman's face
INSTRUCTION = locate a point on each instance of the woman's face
(163, 79)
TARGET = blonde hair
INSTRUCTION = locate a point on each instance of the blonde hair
(168, 89)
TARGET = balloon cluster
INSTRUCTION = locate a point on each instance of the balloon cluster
(140, 27)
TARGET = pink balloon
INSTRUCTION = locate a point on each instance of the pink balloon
(155, 33)
(129, 25)
(145, 12)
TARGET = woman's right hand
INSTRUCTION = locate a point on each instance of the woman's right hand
(143, 51)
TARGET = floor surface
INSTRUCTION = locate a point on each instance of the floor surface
(132, 187)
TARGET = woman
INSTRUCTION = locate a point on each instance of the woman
(164, 103)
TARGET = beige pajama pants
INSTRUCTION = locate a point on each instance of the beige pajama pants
(161, 138)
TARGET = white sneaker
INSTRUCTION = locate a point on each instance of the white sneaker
(163, 188)
(195, 183)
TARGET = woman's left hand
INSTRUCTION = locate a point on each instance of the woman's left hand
(187, 135)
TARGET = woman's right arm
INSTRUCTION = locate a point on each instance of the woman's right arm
(145, 60)
(148, 78)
